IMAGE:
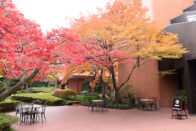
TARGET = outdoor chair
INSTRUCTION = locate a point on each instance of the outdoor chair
(103, 105)
(140, 104)
(37, 102)
(26, 113)
(18, 108)
(154, 103)
(41, 113)
(90, 104)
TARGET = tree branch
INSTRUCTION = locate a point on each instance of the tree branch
(21, 65)
(129, 76)
(18, 85)
(8, 69)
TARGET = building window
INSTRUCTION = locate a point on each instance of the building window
(191, 18)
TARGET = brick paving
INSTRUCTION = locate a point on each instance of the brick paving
(78, 118)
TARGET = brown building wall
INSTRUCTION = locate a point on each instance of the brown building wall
(163, 11)
(76, 84)
(168, 88)
(145, 79)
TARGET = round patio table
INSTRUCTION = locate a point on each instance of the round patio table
(147, 103)
(31, 109)
(96, 102)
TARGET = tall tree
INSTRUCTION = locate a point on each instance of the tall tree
(24, 52)
(121, 32)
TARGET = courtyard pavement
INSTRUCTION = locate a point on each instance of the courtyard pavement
(79, 118)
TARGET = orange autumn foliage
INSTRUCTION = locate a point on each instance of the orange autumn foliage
(72, 69)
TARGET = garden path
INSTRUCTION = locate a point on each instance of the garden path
(78, 118)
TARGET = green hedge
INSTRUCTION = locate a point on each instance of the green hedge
(91, 97)
(84, 99)
(43, 90)
(30, 97)
(37, 84)
(38, 90)
(64, 93)
(6, 121)
(8, 105)
(72, 102)
(120, 106)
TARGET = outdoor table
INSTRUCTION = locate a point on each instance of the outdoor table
(33, 108)
(96, 102)
(147, 102)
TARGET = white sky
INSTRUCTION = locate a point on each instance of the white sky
(53, 13)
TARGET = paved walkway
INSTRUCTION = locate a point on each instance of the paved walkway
(78, 118)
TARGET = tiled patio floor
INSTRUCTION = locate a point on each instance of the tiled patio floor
(78, 118)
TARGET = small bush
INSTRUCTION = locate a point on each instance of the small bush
(86, 86)
(37, 84)
(21, 92)
(84, 102)
(30, 97)
(64, 93)
(6, 121)
(72, 102)
(93, 94)
(8, 105)
(119, 106)
(84, 99)
(91, 97)
(2, 89)
(182, 95)
(43, 90)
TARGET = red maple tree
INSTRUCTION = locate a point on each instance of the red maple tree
(25, 53)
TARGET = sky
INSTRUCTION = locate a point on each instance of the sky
(55, 13)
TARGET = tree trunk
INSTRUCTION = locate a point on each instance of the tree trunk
(116, 96)
(114, 83)
(57, 83)
(15, 88)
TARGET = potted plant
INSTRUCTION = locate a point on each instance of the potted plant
(181, 94)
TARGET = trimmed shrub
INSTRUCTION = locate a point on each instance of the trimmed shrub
(43, 90)
(21, 92)
(8, 105)
(6, 121)
(91, 97)
(119, 106)
(72, 102)
(84, 99)
(37, 84)
(30, 97)
(64, 93)
(86, 86)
